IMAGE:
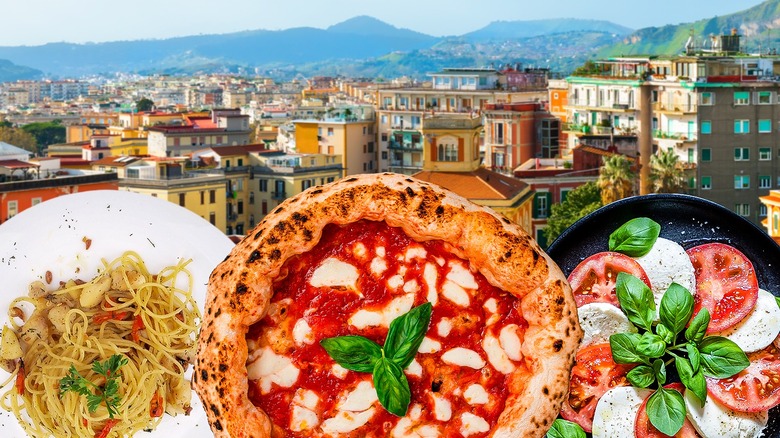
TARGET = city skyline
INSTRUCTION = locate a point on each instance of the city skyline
(37, 22)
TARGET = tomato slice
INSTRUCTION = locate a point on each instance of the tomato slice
(593, 280)
(726, 284)
(594, 373)
(644, 429)
(754, 389)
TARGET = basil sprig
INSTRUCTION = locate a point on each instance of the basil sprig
(387, 363)
(565, 429)
(635, 237)
(658, 344)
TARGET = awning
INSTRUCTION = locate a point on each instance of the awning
(17, 164)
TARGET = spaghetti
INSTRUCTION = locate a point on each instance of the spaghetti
(124, 312)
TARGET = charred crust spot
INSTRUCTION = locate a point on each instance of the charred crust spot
(546, 390)
(273, 240)
(436, 384)
(275, 255)
(409, 180)
(211, 338)
(223, 367)
(410, 192)
(508, 254)
(316, 191)
(349, 180)
(300, 218)
(241, 289)
(307, 234)
(214, 410)
(559, 301)
(557, 345)
(218, 312)
(204, 376)
(439, 210)
(535, 255)
(217, 425)
(505, 220)
(253, 257)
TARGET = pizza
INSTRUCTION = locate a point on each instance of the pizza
(355, 259)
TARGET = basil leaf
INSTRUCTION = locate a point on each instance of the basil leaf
(623, 346)
(666, 410)
(693, 380)
(664, 333)
(641, 376)
(352, 352)
(392, 388)
(659, 368)
(636, 300)
(777, 300)
(721, 358)
(694, 356)
(676, 308)
(698, 327)
(406, 334)
(565, 429)
(651, 346)
(635, 237)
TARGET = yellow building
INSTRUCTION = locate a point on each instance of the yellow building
(772, 221)
(354, 140)
(451, 151)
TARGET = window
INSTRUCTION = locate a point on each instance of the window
(741, 126)
(202, 197)
(13, 208)
(741, 181)
(762, 210)
(706, 98)
(741, 97)
(764, 154)
(35, 201)
(706, 127)
(706, 154)
(542, 202)
(706, 182)
(764, 125)
(564, 194)
(263, 185)
(447, 152)
(741, 154)
(213, 218)
(305, 184)
(764, 182)
(212, 196)
(764, 97)
(182, 196)
(742, 209)
(330, 132)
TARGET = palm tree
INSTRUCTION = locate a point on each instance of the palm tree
(616, 179)
(666, 172)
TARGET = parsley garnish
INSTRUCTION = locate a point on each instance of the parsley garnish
(108, 393)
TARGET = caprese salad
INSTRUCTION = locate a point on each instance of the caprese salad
(676, 342)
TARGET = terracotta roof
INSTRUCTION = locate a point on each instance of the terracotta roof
(17, 164)
(116, 161)
(239, 150)
(478, 184)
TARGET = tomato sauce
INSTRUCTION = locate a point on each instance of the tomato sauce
(327, 311)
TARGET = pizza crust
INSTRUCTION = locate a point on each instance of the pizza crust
(240, 289)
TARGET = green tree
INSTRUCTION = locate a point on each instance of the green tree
(144, 104)
(19, 138)
(666, 172)
(578, 203)
(46, 133)
(586, 69)
(616, 179)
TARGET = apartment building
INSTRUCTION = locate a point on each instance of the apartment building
(222, 128)
(341, 133)
(517, 132)
(452, 92)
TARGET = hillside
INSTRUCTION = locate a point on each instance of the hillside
(10, 72)
(511, 30)
(758, 26)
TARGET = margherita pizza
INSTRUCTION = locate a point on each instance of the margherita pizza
(440, 318)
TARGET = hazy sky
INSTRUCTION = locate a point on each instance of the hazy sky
(34, 22)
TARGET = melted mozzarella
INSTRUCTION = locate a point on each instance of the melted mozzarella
(306, 398)
(760, 326)
(599, 321)
(444, 327)
(667, 263)
(716, 420)
(360, 399)
(395, 282)
(339, 371)
(495, 354)
(463, 357)
(475, 394)
(272, 368)
(333, 272)
(378, 266)
(360, 251)
(429, 346)
(415, 252)
(455, 293)
(471, 424)
(461, 276)
(414, 369)
(302, 333)
(303, 415)
(430, 276)
(510, 341)
(346, 421)
(442, 408)
(383, 317)
(406, 427)
(616, 411)
(411, 286)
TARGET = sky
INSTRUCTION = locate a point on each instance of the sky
(36, 22)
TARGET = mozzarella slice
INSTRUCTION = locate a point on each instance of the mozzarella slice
(346, 421)
(716, 420)
(361, 398)
(430, 276)
(333, 272)
(475, 394)
(510, 341)
(302, 333)
(461, 276)
(442, 408)
(383, 317)
(496, 355)
(270, 368)
(759, 328)
(616, 411)
(463, 357)
(471, 424)
(599, 321)
(455, 293)
(667, 263)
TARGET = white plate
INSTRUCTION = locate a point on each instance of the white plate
(49, 237)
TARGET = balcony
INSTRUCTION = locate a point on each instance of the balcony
(675, 108)
(405, 146)
(279, 195)
(678, 136)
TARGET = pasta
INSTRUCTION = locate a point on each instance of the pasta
(124, 312)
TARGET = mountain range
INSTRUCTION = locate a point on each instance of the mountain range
(366, 47)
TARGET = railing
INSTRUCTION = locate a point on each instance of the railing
(411, 146)
(278, 195)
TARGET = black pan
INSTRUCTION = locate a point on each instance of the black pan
(687, 220)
